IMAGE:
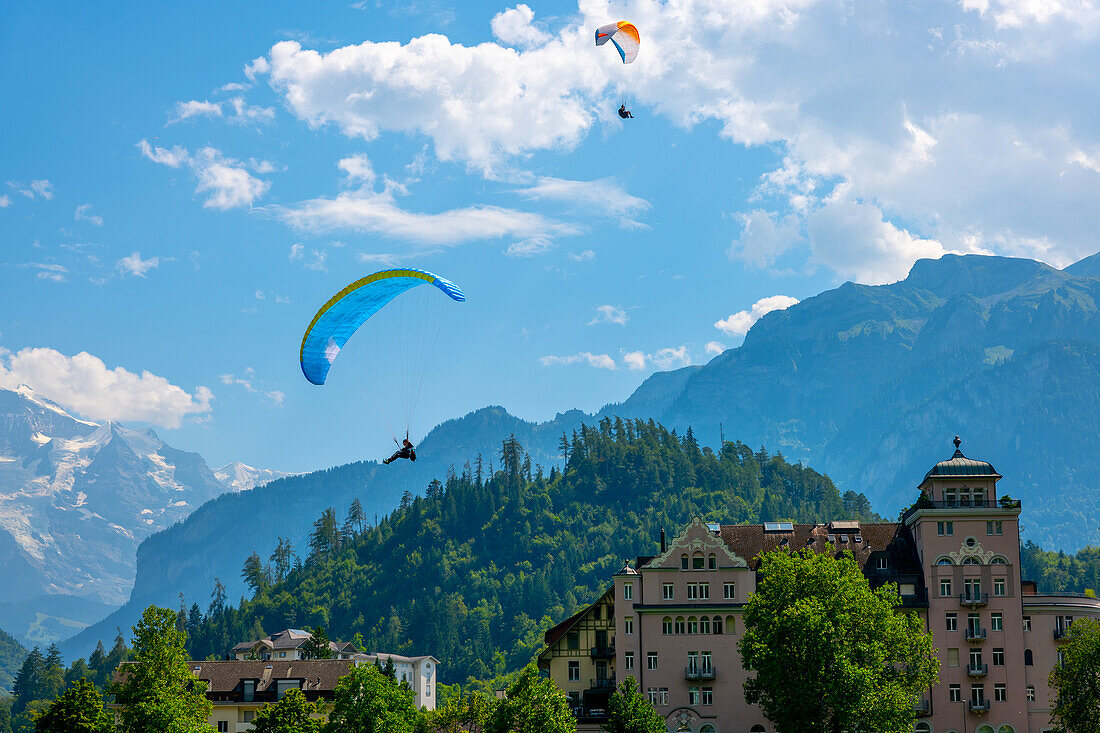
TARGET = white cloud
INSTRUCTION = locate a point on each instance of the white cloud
(715, 347)
(83, 213)
(134, 265)
(600, 361)
(84, 384)
(5, 201)
(233, 86)
(604, 195)
(194, 108)
(1021, 13)
(530, 247)
(671, 357)
(739, 323)
(274, 397)
(313, 259)
(584, 256)
(763, 239)
(43, 189)
(514, 27)
(48, 271)
(610, 314)
(225, 181)
(37, 189)
(378, 213)
(246, 114)
(357, 168)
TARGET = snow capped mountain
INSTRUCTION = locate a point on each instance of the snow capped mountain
(237, 476)
(77, 497)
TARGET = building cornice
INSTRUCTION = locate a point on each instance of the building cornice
(961, 513)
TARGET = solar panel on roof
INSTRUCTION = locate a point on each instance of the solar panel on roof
(778, 527)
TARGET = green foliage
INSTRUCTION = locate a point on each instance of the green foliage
(158, 693)
(79, 709)
(1076, 681)
(292, 714)
(368, 702)
(533, 704)
(629, 712)
(1059, 572)
(12, 655)
(461, 714)
(317, 646)
(30, 682)
(476, 570)
(860, 663)
(23, 722)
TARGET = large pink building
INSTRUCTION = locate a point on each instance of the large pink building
(673, 621)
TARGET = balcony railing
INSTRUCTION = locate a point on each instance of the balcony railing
(592, 714)
(979, 706)
(603, 683)
(602, 652)
(977, 670)
(700, 673)
(975, 634)
(974, 599)
(922, 708)
(925, 503)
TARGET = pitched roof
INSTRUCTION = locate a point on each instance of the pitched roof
(751, 540)
(557, 632)
(226, 675)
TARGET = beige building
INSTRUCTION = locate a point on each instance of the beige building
(673, 621)
(288, 645)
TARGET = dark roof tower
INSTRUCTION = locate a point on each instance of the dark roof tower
(960, 465)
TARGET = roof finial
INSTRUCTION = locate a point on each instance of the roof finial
(957, 441)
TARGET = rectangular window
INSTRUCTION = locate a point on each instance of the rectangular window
(973, 623)
(574, 671)
(697, 562)
(693, 591)
(728, 591)
(882, 563)
(705, 660)
(952, 621)
(712, 563)
(628, 660)
(1027, 623)
(693, 696)
(953, 657)
(1000, 693)
(663, 694)
(667, 591)
(1030, 693)
(996, 622)
(683, 562)
(972, 588)
(651, 694)
(907, 589)
(693, 661)
(708, 695)
(704, 591)
(998, 586)
(975, 658)
(939, 528)
(945, 587)
(628, 624)
(977, 694)
(994, 527)
(651, 660)
(666, 626)
(955, 693)
(949, 496)
(223, 726)
(998, 656)
(573, 640)
(950, 528)
(628, 591)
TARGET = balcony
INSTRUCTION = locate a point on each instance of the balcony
(593, 714)
(922, 708)
(975, 634)
(926, 503)
(700, 673)
(979, 706)
(973, 600)
(602, 683)
(977, 670)
(602, 652)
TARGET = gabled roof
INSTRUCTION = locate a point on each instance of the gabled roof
(226, 676)
(551, 637)
(751, 540)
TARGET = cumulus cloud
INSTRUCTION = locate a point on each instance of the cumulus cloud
(5, 201)
(739, 323)
(605, 196)
(671, 357)
(84, 213)
(515, 27)
(610, 314)
(600, 361)
(247, 114)
(311, 259)
(530, 247)
(134, 265)
(714, 347)
(357, 168)
(42, 189)
(84, 384)
(226, 182)
(194, 108)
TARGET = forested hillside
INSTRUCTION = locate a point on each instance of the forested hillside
(1059, 572)
(11, 656)
(475, 571)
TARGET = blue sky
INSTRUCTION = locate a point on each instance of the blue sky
(182, 186)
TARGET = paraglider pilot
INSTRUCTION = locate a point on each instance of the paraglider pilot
(624, 112)
(405, 451)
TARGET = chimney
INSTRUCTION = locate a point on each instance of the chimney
(662, 540)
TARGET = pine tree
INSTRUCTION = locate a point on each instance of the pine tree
(317, 647)
(217, 598)
(256, 574)
(30, 683)
(53, 677)
(325, 537)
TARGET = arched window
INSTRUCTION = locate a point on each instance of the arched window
(704, 625)
(984, 728)
(717, 624)
(945, 561)
(972, 561)
(666, 625)
(1029, 659)
(712, 562)
(708, 728)
(679, 624)
(1006, 728)
(922, 727)
(998, 561)
(684, 561)
(730, 626)
(697, 561)
(693, 625)
(756, 729)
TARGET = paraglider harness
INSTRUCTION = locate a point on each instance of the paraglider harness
(624, 112)
(405, 451)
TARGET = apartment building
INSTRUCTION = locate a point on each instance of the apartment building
(288, 644)
(676, 617)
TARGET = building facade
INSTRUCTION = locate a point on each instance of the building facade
(955, 557)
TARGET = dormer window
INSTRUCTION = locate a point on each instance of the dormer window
(697, 561)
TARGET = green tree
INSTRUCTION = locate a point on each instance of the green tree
(317, 646)
(256, 574)
(366, 701)
(860, 662)
(533, 704)
(629, 712)
(30, 682)
(53, 673)
(78, 709)
(292, 714)
(389, 669)
(1075, 682)
(158, 693)
(462, 714)
(23, 722)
